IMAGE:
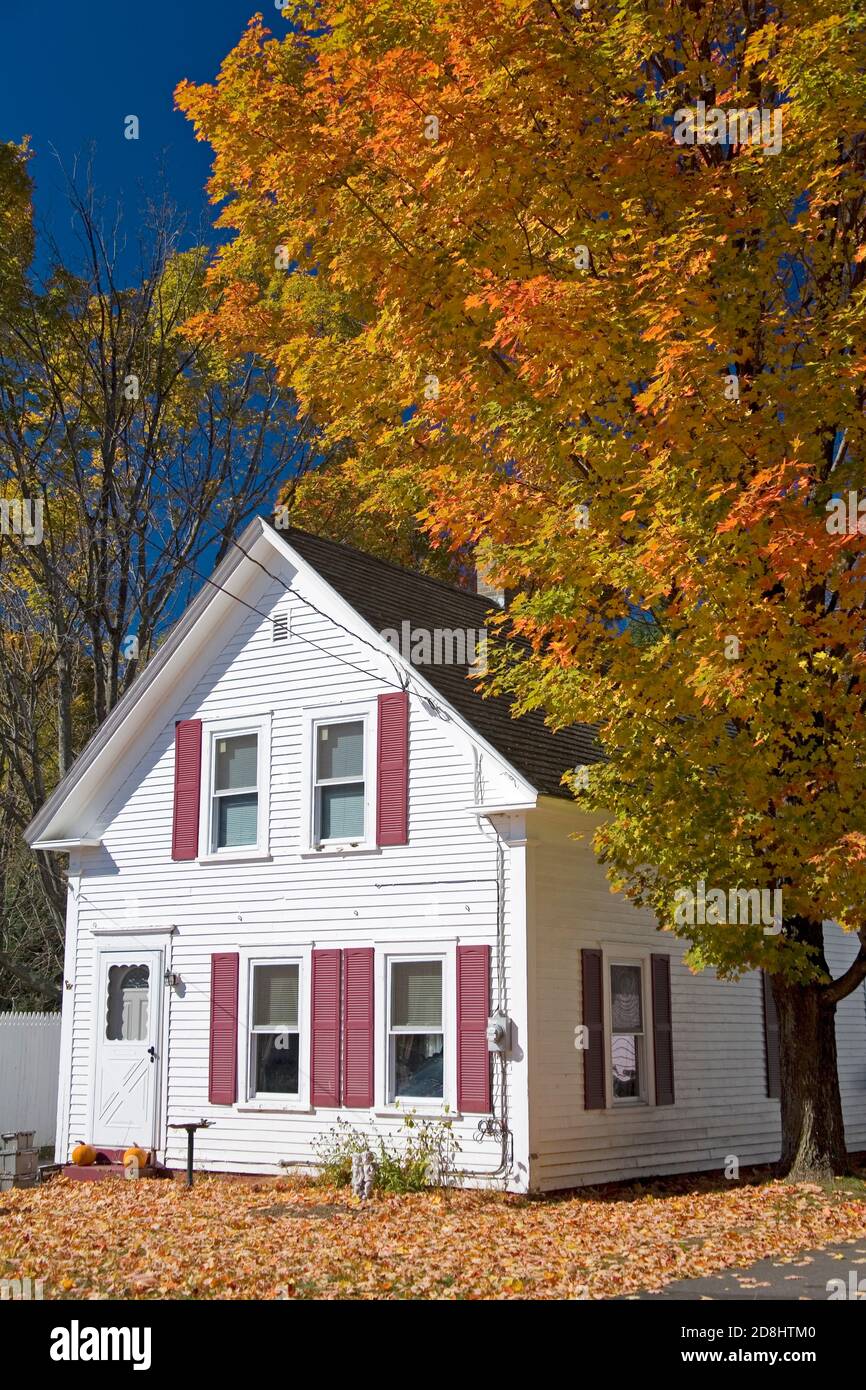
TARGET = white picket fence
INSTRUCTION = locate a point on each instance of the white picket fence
(29, 1068)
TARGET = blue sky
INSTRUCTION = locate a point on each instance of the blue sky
(70, 73)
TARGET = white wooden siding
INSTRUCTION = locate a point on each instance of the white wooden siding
(396, 894)
(721, 1104)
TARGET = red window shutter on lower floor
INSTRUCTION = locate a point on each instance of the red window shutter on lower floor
(358, 1027)
(392, 779)
(473, 1011)
(187, 788)
(663, 1044)
(223, 1085)
(325, 1031)
(594, 1096)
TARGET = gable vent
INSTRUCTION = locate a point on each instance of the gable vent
(281, 628)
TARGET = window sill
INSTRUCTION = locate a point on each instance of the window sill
(275, 1107)
(417, 1110)
(243, 857)
(337, 851)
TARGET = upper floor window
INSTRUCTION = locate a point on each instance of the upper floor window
(340, 787)
(235, 796)
(235, 788)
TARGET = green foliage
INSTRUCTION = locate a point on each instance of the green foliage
(334, 1153)
(423, 1154)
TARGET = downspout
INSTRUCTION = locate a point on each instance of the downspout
(490, 1126)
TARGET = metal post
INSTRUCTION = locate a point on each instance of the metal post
(191, 1128)
(190, 1144)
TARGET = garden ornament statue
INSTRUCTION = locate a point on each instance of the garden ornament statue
(363, 1175)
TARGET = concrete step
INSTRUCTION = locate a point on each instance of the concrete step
(109, 1164)
(97, 1172)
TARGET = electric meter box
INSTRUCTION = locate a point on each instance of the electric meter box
(498, 1033)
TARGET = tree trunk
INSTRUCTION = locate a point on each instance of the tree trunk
(813, 1132)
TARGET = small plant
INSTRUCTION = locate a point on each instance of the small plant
(422, 1155)
(334, 1153)
(426, 1156)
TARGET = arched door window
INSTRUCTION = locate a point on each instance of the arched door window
(128, 999)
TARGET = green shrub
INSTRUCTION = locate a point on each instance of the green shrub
(334, 1153)
(423, 1155)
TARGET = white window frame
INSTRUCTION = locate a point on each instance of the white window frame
(385, 1104)
(366, 713)
(212, 730)
(626, 955)
(277, 1102)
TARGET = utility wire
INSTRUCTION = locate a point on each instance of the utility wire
(402, 687)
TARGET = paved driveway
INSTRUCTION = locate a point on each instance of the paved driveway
(803, 1276)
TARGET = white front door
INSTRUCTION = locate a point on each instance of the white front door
(128, 1044)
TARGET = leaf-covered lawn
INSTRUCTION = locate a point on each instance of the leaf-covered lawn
(233, 1239)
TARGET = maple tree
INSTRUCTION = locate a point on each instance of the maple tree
(629, 369)
(339, 500)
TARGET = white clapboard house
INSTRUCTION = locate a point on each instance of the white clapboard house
(310, 879)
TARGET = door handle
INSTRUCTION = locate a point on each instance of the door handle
(151, 1052)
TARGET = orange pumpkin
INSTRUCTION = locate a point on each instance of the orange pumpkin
(135, 1156)
(83, 1154)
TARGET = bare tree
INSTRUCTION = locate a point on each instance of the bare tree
(147, 451)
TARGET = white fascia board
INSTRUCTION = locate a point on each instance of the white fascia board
(66, 846)
(386, 660)
(102, 764)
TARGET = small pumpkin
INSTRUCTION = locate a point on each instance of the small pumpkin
(83, 1154)
(135, 1157)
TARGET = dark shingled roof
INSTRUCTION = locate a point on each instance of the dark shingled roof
(387, 595)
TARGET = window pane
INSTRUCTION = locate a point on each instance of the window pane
(625, 1053)
(236, 762)
(625, 999)
(417, 1064)
(237, 820)
(416, 994)
(275, 996)
(340, 750)
(341, 812)
(275, 1062)
(128, 998)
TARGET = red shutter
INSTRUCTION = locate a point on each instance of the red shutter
(223, 1087)
(663, 1045)
(594, 1097)
(358, 1027)
(772, 1055)
(325, 1030)
(187, 784)
(392, 783)
(473, 1011)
